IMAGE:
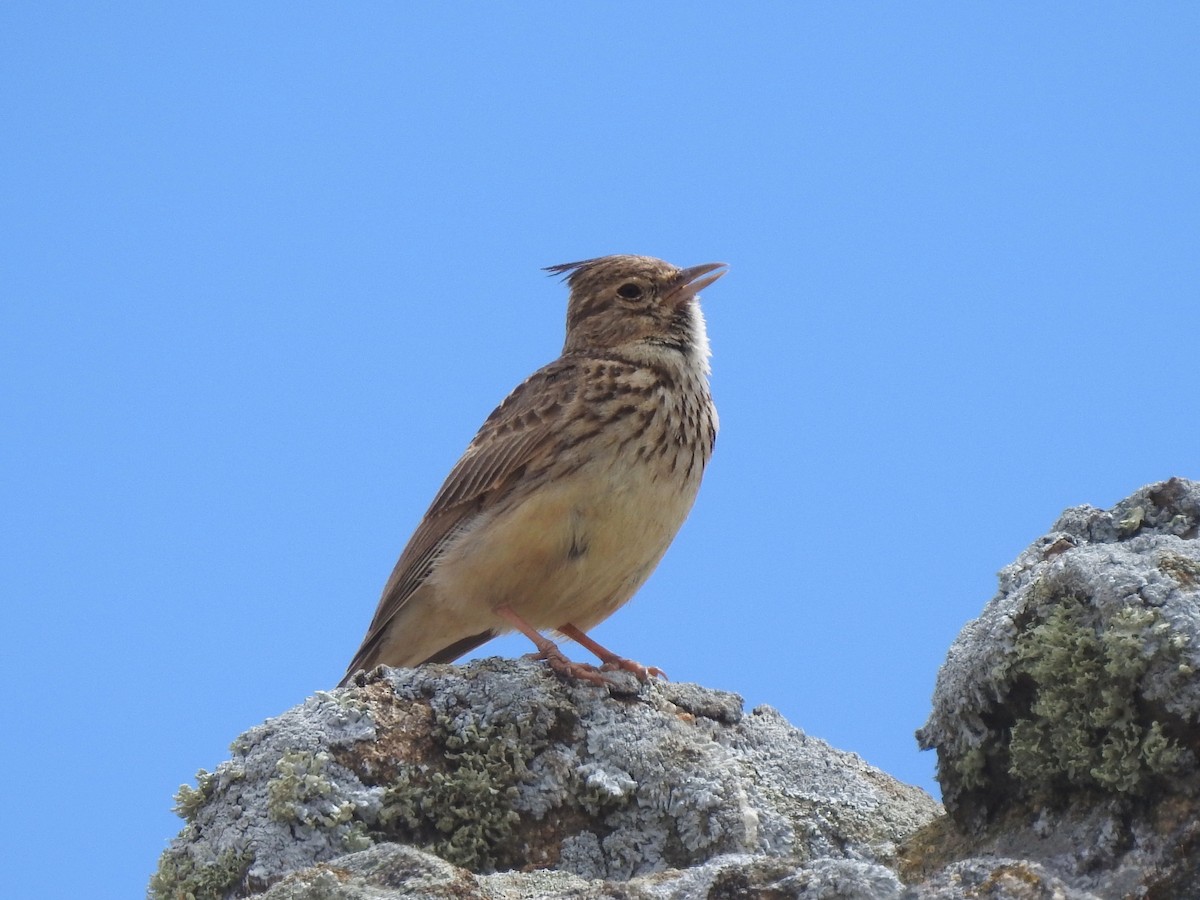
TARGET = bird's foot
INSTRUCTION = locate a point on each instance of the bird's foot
(612, 662)
(548, 650)
(567, 668)
(558, 662)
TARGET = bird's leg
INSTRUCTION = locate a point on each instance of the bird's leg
(547, 650)
(610, 659)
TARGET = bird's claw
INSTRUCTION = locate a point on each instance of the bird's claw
(567, 668)
(578, 671)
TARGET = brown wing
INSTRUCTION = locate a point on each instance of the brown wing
(511, 437)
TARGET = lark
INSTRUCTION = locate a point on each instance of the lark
(573, 488)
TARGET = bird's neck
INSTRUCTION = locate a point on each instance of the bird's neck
(685, 345)
(683, 348)
(689, 360)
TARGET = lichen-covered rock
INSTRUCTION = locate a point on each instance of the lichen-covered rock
(399, 872)
(1066, 720)
(1067, 716)
(997, 879)
(487, 779)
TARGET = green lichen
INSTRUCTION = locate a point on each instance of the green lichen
(1132, 522)
(188, 800)
(352, 700)
(971, 768)
(179, 877)
(356, 838)
(464, 810)
(1087, 725)
(300, 792)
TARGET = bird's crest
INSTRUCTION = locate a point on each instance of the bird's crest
(572, 270)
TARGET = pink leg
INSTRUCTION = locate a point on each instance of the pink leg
(549, 652)
(610, 659)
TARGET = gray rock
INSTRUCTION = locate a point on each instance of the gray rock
(998, 879)
(1066, 720)
(1067, 716)
(393, 871)
(446, 781)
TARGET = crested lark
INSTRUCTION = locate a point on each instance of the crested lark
(570, 493)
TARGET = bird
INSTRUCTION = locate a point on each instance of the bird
(570, 493)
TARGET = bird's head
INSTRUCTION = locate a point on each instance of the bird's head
(637, 303)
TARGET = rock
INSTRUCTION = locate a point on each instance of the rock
(1067, 716)
(1066, 721)
(392, 871)
(497, 779)
(997, 879)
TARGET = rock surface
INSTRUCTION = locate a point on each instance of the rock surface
(1067, 716)
(1066, 721)
(499, 766)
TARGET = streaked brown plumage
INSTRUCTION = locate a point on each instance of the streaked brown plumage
(569, 495)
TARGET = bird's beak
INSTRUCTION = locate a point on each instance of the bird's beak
(688, 283)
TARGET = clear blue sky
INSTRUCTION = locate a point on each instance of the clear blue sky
(266, 267)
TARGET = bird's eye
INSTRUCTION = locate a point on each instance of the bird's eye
(630, 291)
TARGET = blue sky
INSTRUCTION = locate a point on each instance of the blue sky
(267, 267)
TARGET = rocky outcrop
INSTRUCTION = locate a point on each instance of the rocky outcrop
(487, 779)
(1067, 716)
(1066, 721)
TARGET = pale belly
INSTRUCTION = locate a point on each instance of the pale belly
(573, 553)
